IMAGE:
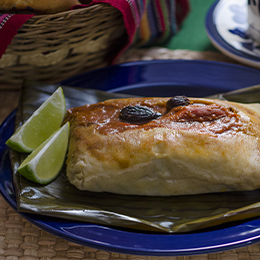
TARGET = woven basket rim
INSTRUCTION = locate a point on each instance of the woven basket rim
(73, 11)
(67, 13)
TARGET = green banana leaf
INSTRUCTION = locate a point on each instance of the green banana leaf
(175, 214)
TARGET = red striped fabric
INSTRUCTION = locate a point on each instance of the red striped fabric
(161, 21)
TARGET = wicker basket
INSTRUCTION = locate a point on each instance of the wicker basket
(54, 47)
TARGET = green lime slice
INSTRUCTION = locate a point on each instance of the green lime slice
(41, 125)
(45, 162)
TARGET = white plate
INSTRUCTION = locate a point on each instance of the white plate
(226, 26)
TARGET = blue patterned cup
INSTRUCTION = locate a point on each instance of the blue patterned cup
(254, 20)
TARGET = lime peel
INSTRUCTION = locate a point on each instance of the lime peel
(41, 125)
(45, 162)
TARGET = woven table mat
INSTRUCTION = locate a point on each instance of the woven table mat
(157, 53)
(19, 239)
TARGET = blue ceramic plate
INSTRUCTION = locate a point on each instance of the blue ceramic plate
(154, 78)
(226, 26)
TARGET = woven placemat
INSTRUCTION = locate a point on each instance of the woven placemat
(19, 239)
(158, 53)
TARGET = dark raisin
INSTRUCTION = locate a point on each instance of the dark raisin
(137, 114)
(177, 101)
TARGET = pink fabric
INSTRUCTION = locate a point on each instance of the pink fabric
(9, 24)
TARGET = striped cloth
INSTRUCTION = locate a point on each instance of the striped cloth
(150, 22)
(147, 22)
(160, 21)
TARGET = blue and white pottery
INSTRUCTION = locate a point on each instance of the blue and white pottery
(253, 13)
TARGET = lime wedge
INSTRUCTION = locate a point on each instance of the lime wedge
(41, 125)
(45, 162)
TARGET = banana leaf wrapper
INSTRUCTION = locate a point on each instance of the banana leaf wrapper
(175, 214)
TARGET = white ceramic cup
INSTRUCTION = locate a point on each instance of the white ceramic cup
(253, 12)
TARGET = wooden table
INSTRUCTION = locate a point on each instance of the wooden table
(19, 239)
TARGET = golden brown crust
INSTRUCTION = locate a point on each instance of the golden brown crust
(41, 6)
(207, 146)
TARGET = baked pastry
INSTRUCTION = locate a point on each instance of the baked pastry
(164, 146)
(39, 6)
